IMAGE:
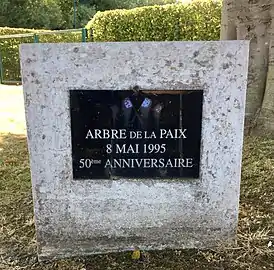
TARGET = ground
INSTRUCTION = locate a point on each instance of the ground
(12, 116)
(253, 248)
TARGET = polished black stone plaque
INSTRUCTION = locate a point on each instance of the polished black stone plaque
(129, 134)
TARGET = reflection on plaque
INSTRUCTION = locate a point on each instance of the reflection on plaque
(128, 134)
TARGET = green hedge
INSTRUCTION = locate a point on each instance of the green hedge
(9, 48)
(198, 20)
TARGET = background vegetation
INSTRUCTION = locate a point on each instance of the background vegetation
(58, 14)
(199, 20)
(9, 48)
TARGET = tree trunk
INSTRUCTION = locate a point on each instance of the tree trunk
(252, 20)
(265, 121)
(228, 27)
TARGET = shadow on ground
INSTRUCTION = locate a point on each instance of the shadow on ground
(252, 250)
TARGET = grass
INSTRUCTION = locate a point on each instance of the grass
(251, 250)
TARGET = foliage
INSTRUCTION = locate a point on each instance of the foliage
(198, 20)
(9, 48)
(102, 5)
(66, 6)
(45, 14)
(83, 14)
(59, 14)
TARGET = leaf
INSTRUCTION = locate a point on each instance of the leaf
(136, 254)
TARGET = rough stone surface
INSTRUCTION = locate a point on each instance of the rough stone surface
(99, 216)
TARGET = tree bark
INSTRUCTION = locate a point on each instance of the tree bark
(252, 20)
(265, 123)
(228, 27)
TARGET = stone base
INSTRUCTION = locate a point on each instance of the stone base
(79, 217)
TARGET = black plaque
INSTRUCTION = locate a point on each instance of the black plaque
(129, 134)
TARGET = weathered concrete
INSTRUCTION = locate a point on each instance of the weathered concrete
(97, 216)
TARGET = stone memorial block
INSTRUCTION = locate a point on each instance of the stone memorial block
(134, 143)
